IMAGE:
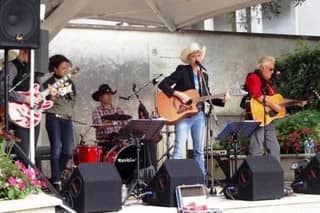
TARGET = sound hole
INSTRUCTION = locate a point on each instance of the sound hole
(272, 113)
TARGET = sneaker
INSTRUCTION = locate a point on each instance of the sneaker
(57, 185)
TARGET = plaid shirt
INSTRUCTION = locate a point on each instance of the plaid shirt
(103, 132)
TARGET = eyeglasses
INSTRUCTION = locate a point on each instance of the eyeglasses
(270, 69)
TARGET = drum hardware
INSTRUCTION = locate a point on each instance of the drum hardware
(167, 132)
(138, 130)
(116, 117)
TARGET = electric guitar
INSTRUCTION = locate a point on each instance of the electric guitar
(20, 113)
(257, 109)
(173, 109)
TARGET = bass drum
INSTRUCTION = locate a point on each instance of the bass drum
(124, 157)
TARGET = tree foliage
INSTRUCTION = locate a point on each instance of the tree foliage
(300, 73)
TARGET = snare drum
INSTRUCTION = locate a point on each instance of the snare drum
(87, 154)
(124, 157)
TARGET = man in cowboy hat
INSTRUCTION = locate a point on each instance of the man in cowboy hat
(105, 127)
(189, 77)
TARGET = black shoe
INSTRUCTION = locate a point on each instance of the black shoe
(57, 185)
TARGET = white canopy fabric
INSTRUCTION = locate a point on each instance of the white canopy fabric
(172, 14)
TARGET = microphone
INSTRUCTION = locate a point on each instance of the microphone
(200, 65)
(155, 80)
(124, 98)
(278, 74)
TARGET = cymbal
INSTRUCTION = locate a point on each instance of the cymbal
(116, 117)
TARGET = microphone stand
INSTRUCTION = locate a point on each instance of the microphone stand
(6, 89)
(135, 92)
(266, 149)
(208, 119)
(206, 87)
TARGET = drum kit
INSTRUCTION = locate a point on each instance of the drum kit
(117, 149)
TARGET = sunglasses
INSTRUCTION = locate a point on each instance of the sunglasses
(270, 69)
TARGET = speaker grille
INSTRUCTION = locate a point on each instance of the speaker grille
(20, 24)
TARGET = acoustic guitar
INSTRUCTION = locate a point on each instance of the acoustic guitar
(257, 109)
(173, 109)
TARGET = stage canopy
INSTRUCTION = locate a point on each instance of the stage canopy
(170, 14)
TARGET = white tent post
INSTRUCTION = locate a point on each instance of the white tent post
(31, 130)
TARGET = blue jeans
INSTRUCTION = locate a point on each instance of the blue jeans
(195, 124)
(60, 133)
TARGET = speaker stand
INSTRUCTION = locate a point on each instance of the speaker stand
(137, 184)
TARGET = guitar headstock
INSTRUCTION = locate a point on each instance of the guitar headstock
(237, 92)
(74, 70)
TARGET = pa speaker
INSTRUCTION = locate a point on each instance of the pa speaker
(94, 188)
(308, 180)
(20, 23)
(171, 174)
(258, 178)
(42, 54)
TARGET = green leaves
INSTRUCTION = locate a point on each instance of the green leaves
(300, 71)
(290, 130)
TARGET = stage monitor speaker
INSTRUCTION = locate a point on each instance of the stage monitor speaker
(171, 174)
(42, 54)
(94, 188)
(20, 23)
(258, 178)
(309, 180)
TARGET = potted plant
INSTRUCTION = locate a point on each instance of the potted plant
(16, 180)
(295, 129)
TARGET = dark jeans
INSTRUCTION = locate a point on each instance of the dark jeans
(60, 132)
(24, 144)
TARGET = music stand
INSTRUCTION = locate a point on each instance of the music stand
(137, 130)
(236, 130)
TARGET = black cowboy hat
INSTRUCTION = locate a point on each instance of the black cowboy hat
(103, 89)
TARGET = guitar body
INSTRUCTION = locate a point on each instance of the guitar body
(20, 113)
(172, 109)
(257, 110)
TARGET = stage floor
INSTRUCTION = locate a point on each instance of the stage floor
(301, 203)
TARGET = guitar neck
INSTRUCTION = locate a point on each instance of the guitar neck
(289, 103)
(56, 84)
(208, 97)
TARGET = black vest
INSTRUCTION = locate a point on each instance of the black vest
(22, 71)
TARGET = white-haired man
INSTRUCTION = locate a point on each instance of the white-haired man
(259, 87)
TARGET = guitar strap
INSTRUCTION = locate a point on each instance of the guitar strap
(245, 99)
(200, 83)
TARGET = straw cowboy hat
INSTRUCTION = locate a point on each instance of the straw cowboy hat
(103, 89)
(193, 47)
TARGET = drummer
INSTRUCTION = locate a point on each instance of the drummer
(107, 118)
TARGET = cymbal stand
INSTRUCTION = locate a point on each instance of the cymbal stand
(209, 148)
(168, 147)
(137, 182)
